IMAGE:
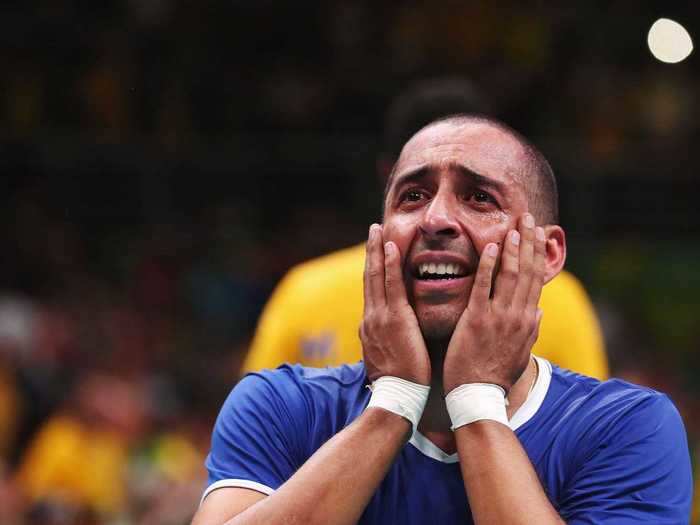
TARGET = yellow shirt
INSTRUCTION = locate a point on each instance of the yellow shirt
(79, 465)
(314, 314)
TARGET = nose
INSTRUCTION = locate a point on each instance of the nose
(439, 219)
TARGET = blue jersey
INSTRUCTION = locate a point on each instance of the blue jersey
(607, 452)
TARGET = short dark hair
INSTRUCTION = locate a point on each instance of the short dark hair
(543, 196)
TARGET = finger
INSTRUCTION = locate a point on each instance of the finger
(538, 268)
(507, 275)
(481, 289)
(393, 276)
(525, 261)
(374, 269)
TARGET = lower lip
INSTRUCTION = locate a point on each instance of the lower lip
(439, 285)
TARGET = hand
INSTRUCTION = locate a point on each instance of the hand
(392, 343)
(493, 337)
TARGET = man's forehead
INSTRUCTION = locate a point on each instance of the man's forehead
(477, 143)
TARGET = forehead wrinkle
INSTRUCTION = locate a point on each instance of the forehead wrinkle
(463, 141)
(469, 139)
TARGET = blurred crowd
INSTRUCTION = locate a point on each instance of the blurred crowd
(165, 162)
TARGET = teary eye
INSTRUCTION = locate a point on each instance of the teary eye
(412, 195)
(482, 196)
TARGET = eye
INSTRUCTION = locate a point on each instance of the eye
(411, 196)
(482, 197)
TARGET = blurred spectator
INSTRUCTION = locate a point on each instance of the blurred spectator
(77, 462)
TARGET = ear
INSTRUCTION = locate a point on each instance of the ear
(555, 255)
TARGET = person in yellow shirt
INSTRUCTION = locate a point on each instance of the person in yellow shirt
(78, 459)
(314, 313)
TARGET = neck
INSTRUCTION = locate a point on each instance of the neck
(435, 423)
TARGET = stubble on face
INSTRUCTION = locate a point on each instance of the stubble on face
(485, 150)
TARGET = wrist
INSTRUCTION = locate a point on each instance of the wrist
(400, 397)
(476, 402)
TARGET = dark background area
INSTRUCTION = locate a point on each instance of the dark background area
(164, 163)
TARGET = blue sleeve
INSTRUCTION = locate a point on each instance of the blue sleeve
(260, 433)
(638, 473)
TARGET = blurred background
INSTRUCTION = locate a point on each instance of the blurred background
(163, 163)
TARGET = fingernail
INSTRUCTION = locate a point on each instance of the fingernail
(492, 250)
(528, 221)
(515, 238)
(389, 248)
(539, 233)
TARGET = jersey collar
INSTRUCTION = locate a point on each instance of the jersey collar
(526, 412)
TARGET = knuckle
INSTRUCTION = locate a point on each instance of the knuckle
(365, 324)
(374, 272)
(527, 322)
(483, 281)
(476, 321)
(370, 323)
(527, 267)
(509, 273)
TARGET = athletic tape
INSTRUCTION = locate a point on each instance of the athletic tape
(476, 402)
(401, 397)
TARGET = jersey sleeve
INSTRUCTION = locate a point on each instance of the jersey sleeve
(259, 435)
(639, 471)
(276, 338)
(570, 335)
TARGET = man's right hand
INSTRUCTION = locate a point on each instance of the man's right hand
(392, 343)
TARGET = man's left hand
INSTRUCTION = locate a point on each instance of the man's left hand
(494, 336)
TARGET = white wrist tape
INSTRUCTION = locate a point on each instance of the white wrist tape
(475, 402)
(399, 396)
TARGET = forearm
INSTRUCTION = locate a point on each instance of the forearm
(337, 482)
(499, 479)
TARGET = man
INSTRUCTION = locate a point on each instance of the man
(462, 423)
(313, 315)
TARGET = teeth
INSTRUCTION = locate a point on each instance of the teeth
(440, 269)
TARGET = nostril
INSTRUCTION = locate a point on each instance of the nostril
(438, 232)
(447, 231)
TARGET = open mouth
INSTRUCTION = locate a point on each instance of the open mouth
(438, 271)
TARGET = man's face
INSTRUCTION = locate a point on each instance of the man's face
(455, 189)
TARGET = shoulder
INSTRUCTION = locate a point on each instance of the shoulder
(330, 267)
(298, 387)
(620, 451)
(604, 395)
(614, 410)
(295, 374)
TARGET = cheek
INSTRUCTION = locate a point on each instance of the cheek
(400, 230)
(486, 228)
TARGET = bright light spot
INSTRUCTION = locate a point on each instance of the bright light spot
(669, 41)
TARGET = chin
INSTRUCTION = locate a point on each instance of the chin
(438, 322)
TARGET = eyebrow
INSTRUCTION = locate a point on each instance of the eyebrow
(424, 171)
